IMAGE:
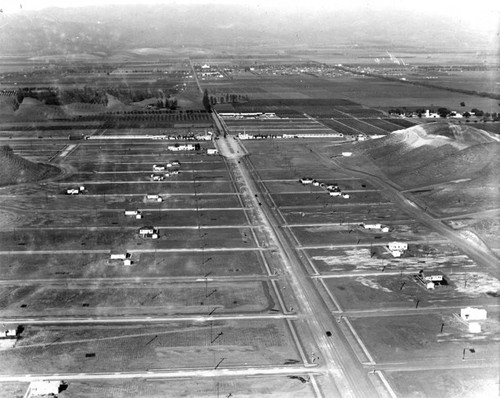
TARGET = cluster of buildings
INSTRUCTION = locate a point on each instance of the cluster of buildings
(249, 115)
(245, 136)
(169, 169)
(332, 189)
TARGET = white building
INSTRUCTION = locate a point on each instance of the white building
(347, 154)
(473, 314)
(148, 232)
(8, 334)
(397, 248)
(212, 151)
(154, 198)
(44, 388)
(133, 213)
(182, 147)
(379, 227)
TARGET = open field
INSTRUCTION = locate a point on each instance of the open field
(403, 291)
(429, 257)
(467, 382)
(419, 337)
(173, 345)
(116, 218)
(117, 238)
(49, 198)
(145, 264)
(275, 386)
(344, 213)
(121, 299)
(354, 234)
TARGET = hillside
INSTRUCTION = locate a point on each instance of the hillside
(432, 154)
(451, 169)
(16, 170)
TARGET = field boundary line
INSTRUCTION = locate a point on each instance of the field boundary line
(315, 386)
(329, 293)
(359, 341)
(386, 384)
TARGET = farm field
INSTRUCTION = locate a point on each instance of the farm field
(289, 386)
(467, 382)
(50, 198)
(137, 347)
(112, 219)
(61, 265)
(404, 292)
(432, 256)
(121, 299)
(257, 285)
(420, 336)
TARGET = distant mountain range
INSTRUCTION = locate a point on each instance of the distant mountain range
(107, 29)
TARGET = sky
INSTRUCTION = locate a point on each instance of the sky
(481, 14)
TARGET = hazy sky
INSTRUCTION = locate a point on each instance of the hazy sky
(481, 14)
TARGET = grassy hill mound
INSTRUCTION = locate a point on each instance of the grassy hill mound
(32, 109)
(16, 170)
(431, 154)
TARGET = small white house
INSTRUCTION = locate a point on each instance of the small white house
(119, 256)
(158, 167)
(473, 314)
(212, 151)
(346, 154)
(156, 177)
(154, 198)
(397, 248)
(474, 327)
(345, 196)
(401, 246)
(133, 213)
(148, 232)
(379, 227)
(334, 193)
(44, 388)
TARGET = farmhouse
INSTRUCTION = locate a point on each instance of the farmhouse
(134, 213)
(397, 248)
(473, 314)
(75, 191)
(379, 227)
(431, 280)
(149, 232)
(154, 198)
